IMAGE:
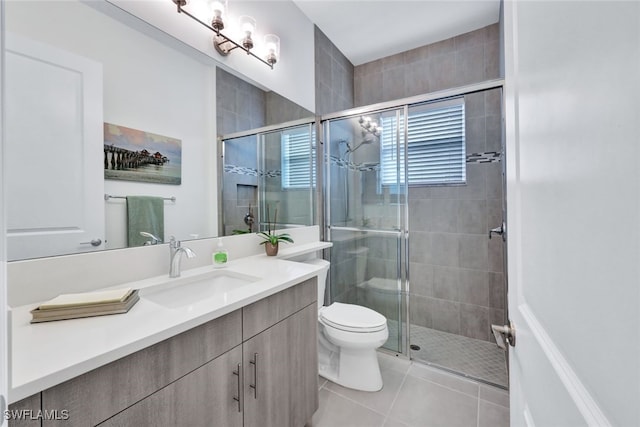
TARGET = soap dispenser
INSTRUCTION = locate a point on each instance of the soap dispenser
(220, 255)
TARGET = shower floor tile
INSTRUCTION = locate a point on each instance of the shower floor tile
(477, 359)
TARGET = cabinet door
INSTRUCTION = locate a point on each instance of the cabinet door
(206, 397)
(281, 372)
(23, 412)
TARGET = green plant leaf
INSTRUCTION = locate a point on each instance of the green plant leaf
(275, 238)
(240, 232)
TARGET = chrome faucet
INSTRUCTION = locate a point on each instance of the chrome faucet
(176, 252)
(154, 240)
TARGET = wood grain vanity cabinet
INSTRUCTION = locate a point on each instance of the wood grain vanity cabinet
(256, 366)
(30, 405)
(281, 362)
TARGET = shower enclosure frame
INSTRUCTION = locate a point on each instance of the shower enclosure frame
(321, 202)
(259, 133)
(401, 233)
(404, 276)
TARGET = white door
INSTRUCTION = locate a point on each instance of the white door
(572, 86)
(4, 324)
(53, 151)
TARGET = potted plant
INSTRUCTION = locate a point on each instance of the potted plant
(271, 239)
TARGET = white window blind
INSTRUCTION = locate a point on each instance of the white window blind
(298, 159)
(436, 146)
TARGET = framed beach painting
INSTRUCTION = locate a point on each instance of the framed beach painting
(136, 155)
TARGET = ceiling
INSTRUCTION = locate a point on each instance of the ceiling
(366, 30)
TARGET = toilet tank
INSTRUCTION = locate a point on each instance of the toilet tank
(322, 274)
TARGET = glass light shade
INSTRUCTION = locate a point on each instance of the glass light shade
(272, 48)
(218, 7)
(247, 24)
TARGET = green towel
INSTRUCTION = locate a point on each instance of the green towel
(144, 213)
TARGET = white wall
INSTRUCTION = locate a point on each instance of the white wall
(292, 77)
(573, 132)
(147, 86)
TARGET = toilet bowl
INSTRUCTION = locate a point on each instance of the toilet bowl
(348, 336)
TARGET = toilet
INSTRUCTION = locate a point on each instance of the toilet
(348, 336)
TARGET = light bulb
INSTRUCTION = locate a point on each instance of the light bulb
(218, 8)
(248, 26)
(272, 47)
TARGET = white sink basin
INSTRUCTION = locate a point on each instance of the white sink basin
(184, 291)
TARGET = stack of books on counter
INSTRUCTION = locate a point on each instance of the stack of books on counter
(73, 306)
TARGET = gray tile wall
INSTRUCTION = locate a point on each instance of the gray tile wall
(334, 76)
(456, 272)
(239, 105)
(457, 278)
(468, 58)
(279, 109)
(349, 260)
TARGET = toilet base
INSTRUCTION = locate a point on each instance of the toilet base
(355, 369)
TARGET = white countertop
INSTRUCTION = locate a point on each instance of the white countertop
(289, 252)
(47, 354)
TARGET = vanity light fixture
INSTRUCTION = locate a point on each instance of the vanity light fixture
(224, 44)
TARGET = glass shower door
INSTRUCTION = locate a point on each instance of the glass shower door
(287, 176)
(240, 185)
(365, 215)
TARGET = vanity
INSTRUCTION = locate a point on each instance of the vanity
(243, 356)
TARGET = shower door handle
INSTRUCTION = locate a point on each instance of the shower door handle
(499, 231)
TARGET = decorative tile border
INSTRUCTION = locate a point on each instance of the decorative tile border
(486, 157)
(241, 170)
(361, 167)
(272, 174)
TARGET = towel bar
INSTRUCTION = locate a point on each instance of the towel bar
(109, 196)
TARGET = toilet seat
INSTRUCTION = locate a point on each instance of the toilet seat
(352, 318)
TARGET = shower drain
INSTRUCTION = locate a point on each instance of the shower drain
(414, 347)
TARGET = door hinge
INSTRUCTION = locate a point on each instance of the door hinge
(504, 334)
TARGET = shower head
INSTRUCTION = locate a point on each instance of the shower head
(369, 139)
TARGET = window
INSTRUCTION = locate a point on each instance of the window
(436, 146)
(298, 158)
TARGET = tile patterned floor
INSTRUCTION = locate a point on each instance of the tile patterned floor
(475, 358)
(414, 395)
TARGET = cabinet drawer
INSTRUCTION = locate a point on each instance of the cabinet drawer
(203, 398)
(267, 312)
(97, 395)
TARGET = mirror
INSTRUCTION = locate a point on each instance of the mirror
(269, 177)
(123, 77)
(253, 169)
